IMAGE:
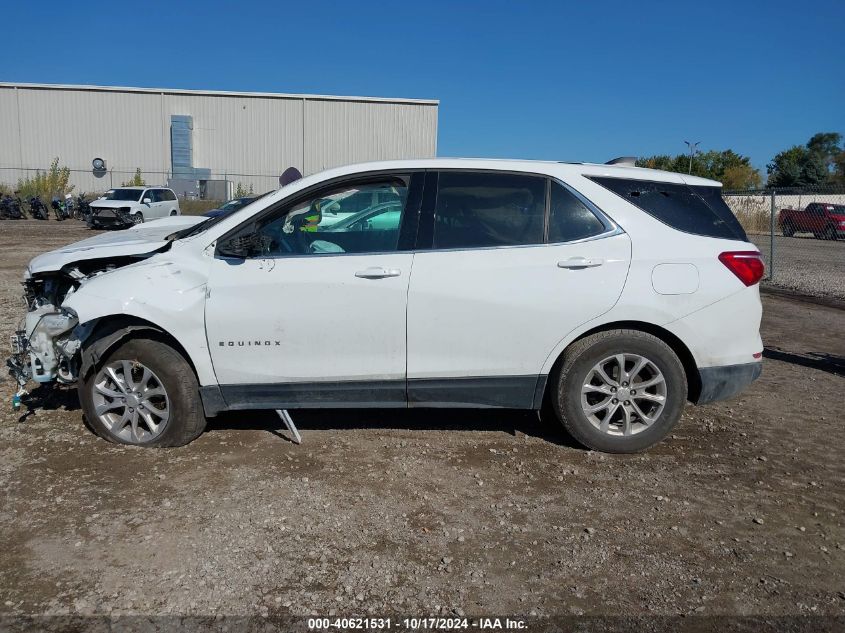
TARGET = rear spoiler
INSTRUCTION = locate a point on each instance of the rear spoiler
(631, 161)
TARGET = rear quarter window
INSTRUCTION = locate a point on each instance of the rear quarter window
(696, 210)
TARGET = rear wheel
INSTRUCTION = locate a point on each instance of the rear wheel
(620, 391)
(173, 212)
(143, 393)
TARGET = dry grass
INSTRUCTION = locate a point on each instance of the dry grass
(753, 212)
(198, 207)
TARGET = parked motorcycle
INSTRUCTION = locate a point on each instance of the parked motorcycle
(67, 207)
(63, 209)
(10, 208)
(37, 209)
(83, 208)
(56, 205)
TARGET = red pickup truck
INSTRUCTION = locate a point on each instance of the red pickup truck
(825, 221)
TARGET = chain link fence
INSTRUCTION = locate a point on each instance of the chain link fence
(801, 233)
(210, 185)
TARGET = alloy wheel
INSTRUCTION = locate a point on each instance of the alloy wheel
(623, 394)
(131, 401)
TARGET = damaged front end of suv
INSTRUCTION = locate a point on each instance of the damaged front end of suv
(46, 346)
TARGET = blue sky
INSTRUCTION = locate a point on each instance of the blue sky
(547, 80)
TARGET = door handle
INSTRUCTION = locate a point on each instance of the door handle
(377, 272)
(580, 262)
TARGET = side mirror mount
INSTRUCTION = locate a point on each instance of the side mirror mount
(235, 247)
(241, 246)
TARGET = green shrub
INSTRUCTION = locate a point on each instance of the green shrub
(46, 184)
(136, 181)
(242, 192)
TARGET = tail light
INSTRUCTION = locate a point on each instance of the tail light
(746, 265)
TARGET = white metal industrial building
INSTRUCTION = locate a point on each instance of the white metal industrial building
(201, 136)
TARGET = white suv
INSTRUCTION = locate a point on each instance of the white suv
(125, 206)
(610, 293)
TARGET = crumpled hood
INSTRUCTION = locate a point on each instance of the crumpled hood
(137, 240)
(111, 204)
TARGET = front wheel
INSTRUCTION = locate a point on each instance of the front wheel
(829, 233)
(620, 391)
(143, 393)
(137, 218)
(788, 230)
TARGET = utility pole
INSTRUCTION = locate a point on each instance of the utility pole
(693, 148)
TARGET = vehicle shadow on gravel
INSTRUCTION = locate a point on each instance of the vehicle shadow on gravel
(495, 420)
(49, 398)
(814, 360)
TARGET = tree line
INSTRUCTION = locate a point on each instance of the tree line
(821, 161)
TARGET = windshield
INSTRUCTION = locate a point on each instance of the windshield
(207, 224)
(236, 204)
(123, 194)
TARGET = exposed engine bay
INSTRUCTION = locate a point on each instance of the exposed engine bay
(46, 346)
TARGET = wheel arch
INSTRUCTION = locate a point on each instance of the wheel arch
(676, 344)
(110, 331)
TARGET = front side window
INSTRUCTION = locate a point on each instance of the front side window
(486, 209)
(339, 221)
(569, 218)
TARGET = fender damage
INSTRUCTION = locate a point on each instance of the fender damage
(70, 309)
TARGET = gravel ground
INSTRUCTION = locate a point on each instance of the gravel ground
(805, 264)
(739, 512)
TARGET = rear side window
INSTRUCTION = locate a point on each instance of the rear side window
(569, 218)
(696, 210)
(478, 209)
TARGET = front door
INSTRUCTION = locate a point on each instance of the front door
(316, 315)
(506, 279)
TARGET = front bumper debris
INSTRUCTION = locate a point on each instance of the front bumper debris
(45, 349)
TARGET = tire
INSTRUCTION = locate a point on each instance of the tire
(173, 212)
(788, 230)
(577, 368)
(829, 234)
(169, 371)
(137, 218)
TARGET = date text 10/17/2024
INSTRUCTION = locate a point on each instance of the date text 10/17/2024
(421, 623)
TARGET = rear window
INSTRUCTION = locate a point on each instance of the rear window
(569, 218)
(696, 210)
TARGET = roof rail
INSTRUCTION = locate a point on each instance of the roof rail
(631, 161)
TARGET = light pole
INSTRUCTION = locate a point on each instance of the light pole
(693, 148)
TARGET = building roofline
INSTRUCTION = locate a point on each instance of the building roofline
(216, 93)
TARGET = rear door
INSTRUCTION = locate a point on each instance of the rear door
(169, 202)
(514, 263)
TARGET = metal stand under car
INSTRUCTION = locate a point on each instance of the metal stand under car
(296, 438)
